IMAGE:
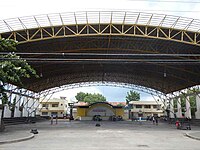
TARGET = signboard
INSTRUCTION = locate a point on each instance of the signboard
(100, 110)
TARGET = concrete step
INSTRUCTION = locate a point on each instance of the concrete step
(17, 120)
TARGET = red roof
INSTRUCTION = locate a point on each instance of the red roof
(81, 104)
(117, 103)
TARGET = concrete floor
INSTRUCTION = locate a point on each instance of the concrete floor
(124, 135)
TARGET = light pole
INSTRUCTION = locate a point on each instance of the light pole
(71, 110)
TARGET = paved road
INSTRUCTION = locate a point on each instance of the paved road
(109, 136)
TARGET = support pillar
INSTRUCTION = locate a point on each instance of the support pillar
(36, 105)
(165, 107)
(188, 108)
(17, 113)
(197, 113)
(179, 108)
(25, 112)
(0, 113)
(7, 112)
(171, 103)
(31, 107)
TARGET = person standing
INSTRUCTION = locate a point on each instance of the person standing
(51, 119)
(153, 119)
(156, 120)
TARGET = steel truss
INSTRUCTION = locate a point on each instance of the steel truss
(112, 84)
(159, 26)
(194, 90)
(92, 77)
(14, 91)
(92, 58)
(175, 95)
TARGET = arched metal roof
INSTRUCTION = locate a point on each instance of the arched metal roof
(101, 17)
(153, 50)
(50, 26)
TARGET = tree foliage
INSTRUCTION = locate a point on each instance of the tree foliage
(132, 96)
(89, 98)
(13, 68)
(7, 45)
(80, 96)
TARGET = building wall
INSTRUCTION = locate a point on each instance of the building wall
(102, 109)
(120, 112)
(147, 109)
(54, 107)
(81, 112)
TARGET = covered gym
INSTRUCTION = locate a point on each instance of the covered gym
(157, 52)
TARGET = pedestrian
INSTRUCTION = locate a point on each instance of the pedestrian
(178, 124)
(51, 119)
(156, 120)
(153, 119)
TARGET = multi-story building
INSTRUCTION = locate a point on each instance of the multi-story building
(56, 107)
(146, 109)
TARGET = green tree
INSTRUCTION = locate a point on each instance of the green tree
(93, 98)
(89, 98)
(13, 69)
(132, 96)
(80, 96)
(120, 104)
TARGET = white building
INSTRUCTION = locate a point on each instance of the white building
(146, 108)
(56, 107)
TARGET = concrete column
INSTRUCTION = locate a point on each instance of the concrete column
(7, 112)
(179, 108)
(171, 103)
(25, 112)
(36, 105)
(165, 106)
(0, 113)
(197, 113)
(31, 107)
(188, 108)
(17, 113)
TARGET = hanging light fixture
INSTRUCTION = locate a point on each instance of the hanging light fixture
(165, 74)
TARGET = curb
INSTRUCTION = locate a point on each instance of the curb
(18, 140)
(192, 137)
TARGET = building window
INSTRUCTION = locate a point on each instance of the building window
(155, 106)
(147, 106)
(138, 106)
(45, 113)
(54, 113)
(44, 105)
(54, 105)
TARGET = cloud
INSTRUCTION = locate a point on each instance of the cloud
(147, 97)
(71, 93)
(112, 94)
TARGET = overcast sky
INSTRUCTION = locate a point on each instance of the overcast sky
(20, 8)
